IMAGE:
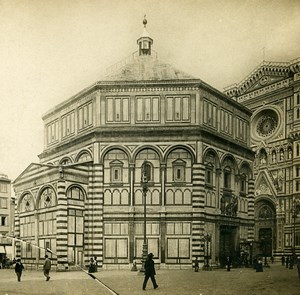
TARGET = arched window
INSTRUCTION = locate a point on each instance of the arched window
(27, 203)
(147, 172)
(243, 184)
(47, 198)
(65, 161)
(209, 174)
(227, 177)
(84, 157)
(75, 193)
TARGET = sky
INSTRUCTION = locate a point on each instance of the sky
(52, 49)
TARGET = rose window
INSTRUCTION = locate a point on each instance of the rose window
(266, 123)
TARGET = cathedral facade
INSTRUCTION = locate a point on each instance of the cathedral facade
(85, 197)
(272, 92)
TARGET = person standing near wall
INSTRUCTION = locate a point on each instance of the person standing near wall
(196, 264)
(47, 267)
(18, 269)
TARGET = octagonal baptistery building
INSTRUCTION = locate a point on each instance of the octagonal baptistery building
(85, 198)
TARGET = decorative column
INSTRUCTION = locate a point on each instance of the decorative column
(198, 203)
(17, 229)
(251, 209)
(163, 168)
(62, 226)
(94, 216)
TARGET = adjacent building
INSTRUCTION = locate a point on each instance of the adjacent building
(85, 197)
(6, 218)
(272, 92)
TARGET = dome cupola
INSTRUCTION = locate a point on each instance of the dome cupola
(145, 41)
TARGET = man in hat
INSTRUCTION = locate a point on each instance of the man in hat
(18, 269)
(150, 272)
(47, 267)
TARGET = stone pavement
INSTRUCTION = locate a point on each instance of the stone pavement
(242, 281)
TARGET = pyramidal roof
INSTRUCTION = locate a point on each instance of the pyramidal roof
(146, 68)
(143, 65)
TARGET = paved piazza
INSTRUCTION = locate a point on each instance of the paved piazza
(243, 281)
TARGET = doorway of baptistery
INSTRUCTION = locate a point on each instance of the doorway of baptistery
(228, 244)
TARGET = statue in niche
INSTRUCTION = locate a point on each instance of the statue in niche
(229, 207)
(290, 154)
(265, 212)
(281, 155)
(263, 159)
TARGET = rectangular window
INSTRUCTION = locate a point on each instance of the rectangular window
(116, 248)
(297, 171)
(3, 203)
(109, 109)
(125, 109)
(147, 109)
(178, 248)
(117, 109)
(85, 116)
(297, 185)
(155, 109)
(208, 177)
(68, 124)
(3, 187)
(3, 220)
(178, 108)
(169, 108)
(52, 130)
(227, 179)
(209, 114)
(179, 175)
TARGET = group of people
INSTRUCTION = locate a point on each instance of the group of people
(288, 261)
(19, 267)
(93, 265)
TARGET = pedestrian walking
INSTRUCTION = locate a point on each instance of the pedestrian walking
(287, 262)
(282, 260)
(150, 272)
(47, 267)
(259, 266)
(228, 263)
(196, 264)
(18, 269)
